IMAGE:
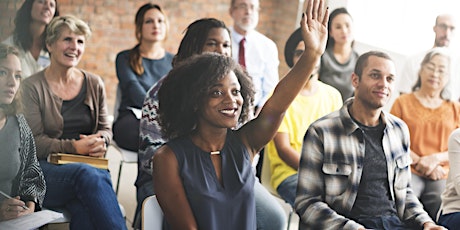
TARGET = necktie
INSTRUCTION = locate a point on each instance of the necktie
(241, 58)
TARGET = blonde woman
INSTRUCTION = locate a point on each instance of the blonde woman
(66, 110)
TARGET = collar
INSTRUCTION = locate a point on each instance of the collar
(350, 126)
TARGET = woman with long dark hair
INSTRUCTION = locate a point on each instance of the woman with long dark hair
(29, 34)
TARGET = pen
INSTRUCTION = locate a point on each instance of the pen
(9, 197)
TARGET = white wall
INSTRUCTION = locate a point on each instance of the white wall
(402, 26)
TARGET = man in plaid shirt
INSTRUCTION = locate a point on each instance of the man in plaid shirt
(354, 170)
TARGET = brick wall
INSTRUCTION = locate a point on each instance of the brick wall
(112, 23)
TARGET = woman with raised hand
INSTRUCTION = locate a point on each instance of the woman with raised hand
(66, 109)
(22, 177)
(203, 176)
(203, 35)
(29, 34)
(138, 69)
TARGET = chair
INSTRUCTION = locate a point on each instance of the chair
(265, 178)
(152, 215)
(127, 156)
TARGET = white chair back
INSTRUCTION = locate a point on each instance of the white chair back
(152, 215)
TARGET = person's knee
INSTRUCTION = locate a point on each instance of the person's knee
(88, 176)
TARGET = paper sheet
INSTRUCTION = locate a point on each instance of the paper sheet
(137, 112)
(31, 221)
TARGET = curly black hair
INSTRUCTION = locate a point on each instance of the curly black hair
(188, 83)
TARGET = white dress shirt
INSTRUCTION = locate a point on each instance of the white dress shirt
(261, 56)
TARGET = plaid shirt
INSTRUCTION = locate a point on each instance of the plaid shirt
(331, 166)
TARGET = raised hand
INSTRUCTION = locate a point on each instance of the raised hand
(314, 26)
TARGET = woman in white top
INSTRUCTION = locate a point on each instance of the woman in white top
(29, 34)
(449, 214)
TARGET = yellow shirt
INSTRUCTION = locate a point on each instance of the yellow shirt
(303, 111)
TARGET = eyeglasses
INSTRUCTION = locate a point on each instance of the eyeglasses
(246, 7)
(443, 26)
(433, 69)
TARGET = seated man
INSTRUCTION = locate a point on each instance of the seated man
(354, 170)
(315, 100)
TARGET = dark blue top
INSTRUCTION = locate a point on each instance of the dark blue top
(134, 87)
(231, 206)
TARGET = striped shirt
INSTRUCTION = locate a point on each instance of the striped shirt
(331, 167)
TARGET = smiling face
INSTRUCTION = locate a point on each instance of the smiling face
(43, 11)
(10, 78)
(218, 41)
(154, 26)
(222, 107)
(68, 49)
(373, 88)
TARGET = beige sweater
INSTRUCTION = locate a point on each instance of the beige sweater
(42, 109)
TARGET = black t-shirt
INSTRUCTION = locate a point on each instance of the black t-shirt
(373, 197)
(77, 116)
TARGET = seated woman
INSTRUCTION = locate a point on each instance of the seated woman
(203, 176)
(22, 177)
(202, 35)
(450, 205)
(138, 69)
(66, 110)
(29, 34)
(431, 118)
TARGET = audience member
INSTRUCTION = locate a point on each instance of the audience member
(444, 32)
(29, 34)
(339, 59)
(212, 186)
(314, 100)
(254, 51)
(66, 109)
(257, 54)
(449, 216)
(22, 177)
(354, 170)
(138, 69)
(203, 35)
(431, 118)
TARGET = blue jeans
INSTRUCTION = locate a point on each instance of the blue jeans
(269, 213)
(390, 222)
(288, 188)
(450, 221)
(86, 192)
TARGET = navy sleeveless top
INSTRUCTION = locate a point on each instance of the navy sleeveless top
(231, 206)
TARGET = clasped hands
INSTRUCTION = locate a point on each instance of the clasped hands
(430, 167)
(92, 145)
